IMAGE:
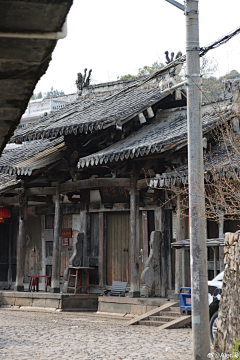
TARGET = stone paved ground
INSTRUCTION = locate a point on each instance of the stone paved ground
(45, 336)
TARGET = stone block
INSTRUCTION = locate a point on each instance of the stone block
(23, 294)
(39, 302)
(52, 303)
(71, 303)
(23, 301)
(114, 308)
(138, 309)
(8, 300)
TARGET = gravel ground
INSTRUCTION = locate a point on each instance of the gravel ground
(38, 335)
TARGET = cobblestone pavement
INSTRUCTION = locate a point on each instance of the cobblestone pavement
(34, 335)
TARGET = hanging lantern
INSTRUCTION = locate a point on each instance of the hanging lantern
(4, 213)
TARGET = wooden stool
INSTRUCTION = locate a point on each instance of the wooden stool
(80, 286)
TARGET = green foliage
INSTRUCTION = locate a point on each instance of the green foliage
(235, 353)
(148, 70)
(36, 96)
(54, 93)
(128, 76)
(232, 75)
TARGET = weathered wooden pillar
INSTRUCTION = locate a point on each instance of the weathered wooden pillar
(145, 235)
(134, 241)
(168, 240)
(55, 285)
(102, 257)
(21, 243)
(84, 219)
(221, 248)
(10, 254)
(180, 235)
(160, 226)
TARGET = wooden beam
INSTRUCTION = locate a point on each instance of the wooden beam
(94, 183)
(9, 200)
(41, 191)
(84, 184)
(42, 199)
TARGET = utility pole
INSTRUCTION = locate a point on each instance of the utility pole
(198, 249)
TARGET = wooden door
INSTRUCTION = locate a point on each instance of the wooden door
(118, 247)
(4, 251)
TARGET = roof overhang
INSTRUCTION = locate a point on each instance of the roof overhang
(28, 34)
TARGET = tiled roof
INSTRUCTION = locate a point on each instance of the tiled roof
(219, 164)
(155, 137)
(31, 156)
(8, 182)
(88, 114)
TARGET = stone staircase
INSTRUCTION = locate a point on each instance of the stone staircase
(166, 316)
(163, 317)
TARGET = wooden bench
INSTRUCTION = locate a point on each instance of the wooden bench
(34, 282)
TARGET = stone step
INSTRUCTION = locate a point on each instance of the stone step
(170, 313)
(161, 318)
(151, 323)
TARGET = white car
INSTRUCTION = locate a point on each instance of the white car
(214, 294)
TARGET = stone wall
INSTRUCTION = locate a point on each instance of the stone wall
(229, 308)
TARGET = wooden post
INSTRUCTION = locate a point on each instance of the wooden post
(55, 285)
(102, 250)
(168, 239)
(145, 236)
(43, 245)
(180, 235)
(10, 254)
(21, 243)
(134, 241)
(160, 226)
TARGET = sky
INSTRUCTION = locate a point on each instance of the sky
(114, 38)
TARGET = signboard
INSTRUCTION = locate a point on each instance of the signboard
(67, 233)
(114, 194)
(65, 241)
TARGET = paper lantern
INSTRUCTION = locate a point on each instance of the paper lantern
(4, 213)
